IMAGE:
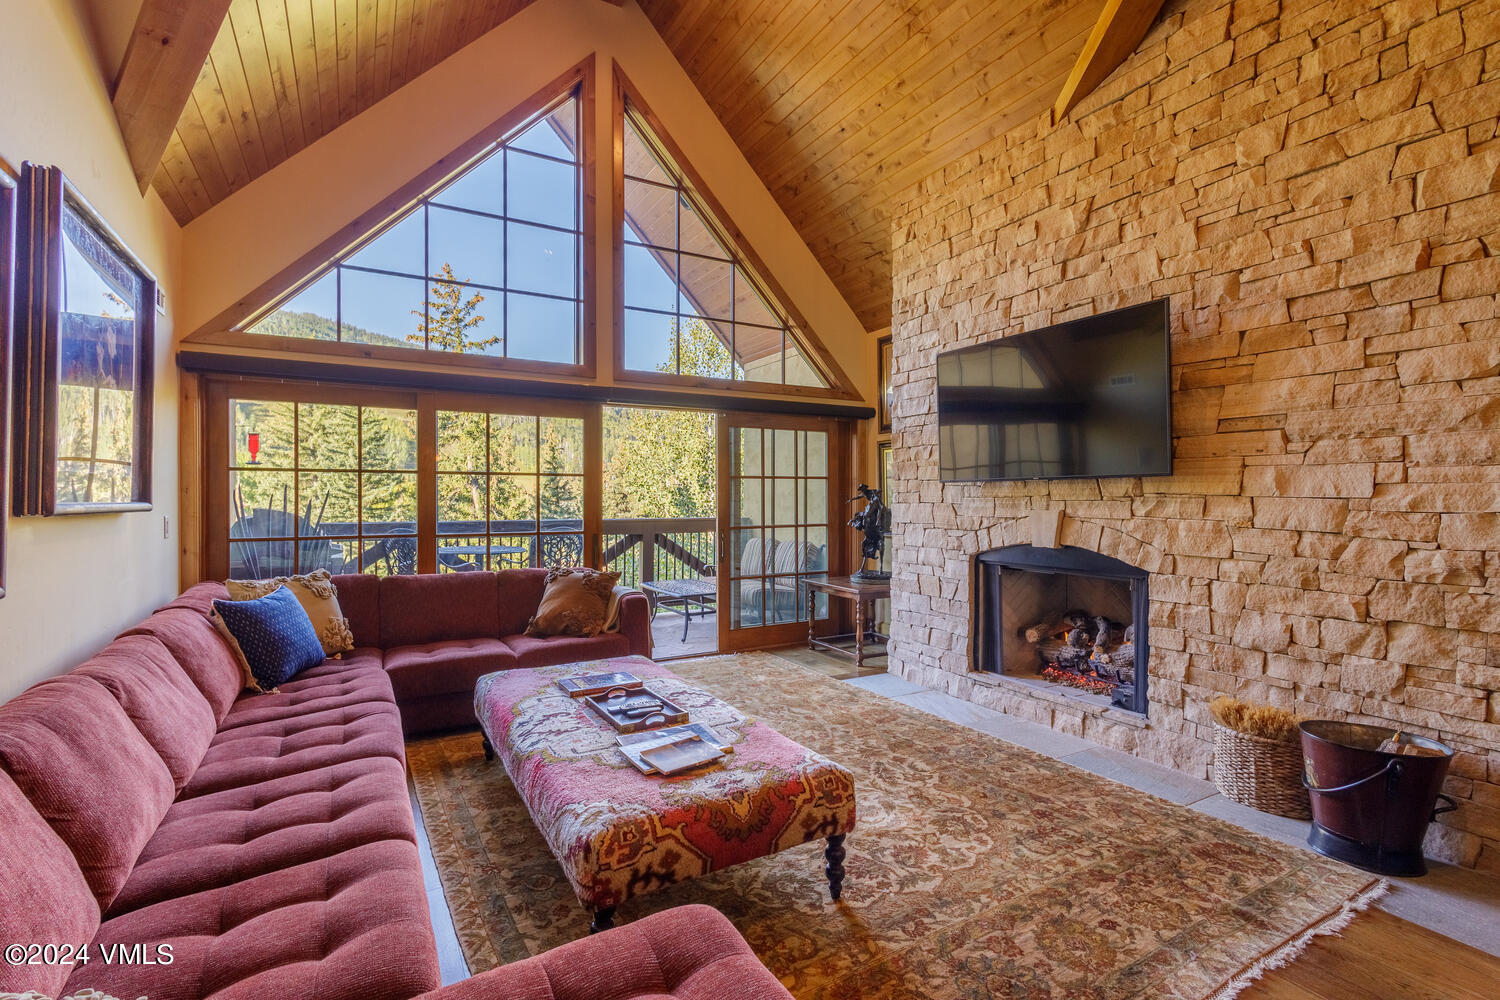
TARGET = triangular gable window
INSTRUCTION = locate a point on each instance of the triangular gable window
(490, 263)
(693, 306)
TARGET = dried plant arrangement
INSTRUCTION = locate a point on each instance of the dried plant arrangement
(1265, 721)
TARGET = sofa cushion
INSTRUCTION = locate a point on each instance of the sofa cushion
(691, 952)
(444, 667)
(317, 595)
(520, 593)
(73, 751)
(237, 834)
(359, 597)
(201, 652)
(273, 637)
(535, 651)
(47, 899)
(363, 658)
(248, 755)
(350, 927)
(159, 697)
(434, 608)
(311, 696)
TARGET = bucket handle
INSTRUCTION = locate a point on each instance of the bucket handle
(1389, 765)
(1438, 810)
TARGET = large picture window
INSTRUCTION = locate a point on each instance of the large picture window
(489, 264)
(693, 305)
(321, 486)
(509, 491)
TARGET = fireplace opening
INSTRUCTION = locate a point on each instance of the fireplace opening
(1064, 616)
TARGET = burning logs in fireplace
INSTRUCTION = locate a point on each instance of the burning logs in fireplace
(1090, 652)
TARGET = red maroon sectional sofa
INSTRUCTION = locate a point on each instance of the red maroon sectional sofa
(248, 845)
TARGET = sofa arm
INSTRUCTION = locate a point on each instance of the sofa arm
(635, 622)
(691, 952)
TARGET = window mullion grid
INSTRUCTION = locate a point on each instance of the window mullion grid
(677, 246)
(359, 486)
(296, 486)
(489, 492)
(426, 279)
(505, 237)
(536, 429)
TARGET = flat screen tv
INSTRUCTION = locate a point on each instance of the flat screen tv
(1091, 397)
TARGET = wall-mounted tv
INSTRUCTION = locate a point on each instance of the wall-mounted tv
(1089, 397)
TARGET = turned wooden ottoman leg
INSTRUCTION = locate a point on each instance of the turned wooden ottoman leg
(834, 855)
(604, 919)
(489, 748)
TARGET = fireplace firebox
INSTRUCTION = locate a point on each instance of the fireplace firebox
(1066, 616)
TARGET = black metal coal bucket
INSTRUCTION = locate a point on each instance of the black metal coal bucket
(1370, 805)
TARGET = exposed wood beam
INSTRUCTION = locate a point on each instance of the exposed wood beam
(1121, 26)
(167, 49)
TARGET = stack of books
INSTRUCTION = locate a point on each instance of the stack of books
(639, 714)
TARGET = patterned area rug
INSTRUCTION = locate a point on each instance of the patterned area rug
(977, 868)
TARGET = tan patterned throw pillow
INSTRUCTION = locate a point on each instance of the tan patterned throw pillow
(317, 595)
(576, 602)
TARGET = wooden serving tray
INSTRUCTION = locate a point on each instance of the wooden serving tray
(623, 710)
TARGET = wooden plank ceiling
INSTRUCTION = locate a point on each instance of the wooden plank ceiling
(281, 73)
(839, 105)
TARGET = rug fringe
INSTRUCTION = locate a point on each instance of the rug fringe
(1289, 951)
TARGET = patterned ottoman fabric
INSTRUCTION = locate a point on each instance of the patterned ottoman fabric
(619, 833)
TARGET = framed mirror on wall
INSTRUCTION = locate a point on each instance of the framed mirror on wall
(7, 283)
(85, 324)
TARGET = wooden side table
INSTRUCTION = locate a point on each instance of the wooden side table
(864, 594)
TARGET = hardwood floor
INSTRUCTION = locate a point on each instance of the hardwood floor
(1382, 957)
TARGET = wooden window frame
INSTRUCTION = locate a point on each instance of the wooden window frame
(714, 216)
(43, 193)
(230, 327)
(218, 391)
(7, 304)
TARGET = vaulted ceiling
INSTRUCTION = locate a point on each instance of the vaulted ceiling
(281, 73)
(838, 105)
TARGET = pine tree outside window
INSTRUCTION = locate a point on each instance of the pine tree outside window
(489, 264)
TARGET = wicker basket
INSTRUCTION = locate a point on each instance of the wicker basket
(1260, 773)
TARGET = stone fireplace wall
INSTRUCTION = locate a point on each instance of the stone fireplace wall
(1316, 185)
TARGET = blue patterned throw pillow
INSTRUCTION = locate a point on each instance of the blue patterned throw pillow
(275, 637)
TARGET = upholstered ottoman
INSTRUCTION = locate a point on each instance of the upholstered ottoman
(618, 832)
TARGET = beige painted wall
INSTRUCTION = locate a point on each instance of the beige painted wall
(73, 582)
(246, 239)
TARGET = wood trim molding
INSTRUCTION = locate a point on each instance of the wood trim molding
(370, 223)
(1121, 26)
(839, 384)
(380, 378)
(168, 47)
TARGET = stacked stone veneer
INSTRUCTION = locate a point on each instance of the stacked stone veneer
(1316, 185)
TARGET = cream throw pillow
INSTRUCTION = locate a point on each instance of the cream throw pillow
(317, 595)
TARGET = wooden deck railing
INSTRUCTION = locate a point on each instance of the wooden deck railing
(642, 549)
